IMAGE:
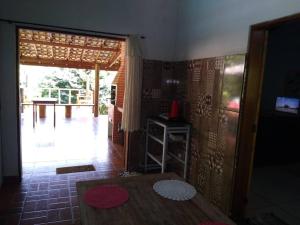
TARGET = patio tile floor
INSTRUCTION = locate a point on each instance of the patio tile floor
(44, 197)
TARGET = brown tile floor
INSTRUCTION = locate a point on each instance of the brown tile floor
(44, 197)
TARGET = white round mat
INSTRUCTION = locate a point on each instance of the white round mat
(175, 189)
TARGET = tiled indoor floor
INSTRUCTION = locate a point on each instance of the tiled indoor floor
(44, 197)
(276, 189)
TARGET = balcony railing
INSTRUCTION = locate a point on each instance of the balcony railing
(64, 96)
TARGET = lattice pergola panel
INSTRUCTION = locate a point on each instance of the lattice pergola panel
(68, 50)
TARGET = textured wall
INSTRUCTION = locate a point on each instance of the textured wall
(213, 92)
(209, 90)
(156, 97)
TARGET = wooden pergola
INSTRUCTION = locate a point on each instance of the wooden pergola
(44, 48)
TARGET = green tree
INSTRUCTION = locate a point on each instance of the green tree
(76, 79)
(65, 78)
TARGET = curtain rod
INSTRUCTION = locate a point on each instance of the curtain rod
(68, 28)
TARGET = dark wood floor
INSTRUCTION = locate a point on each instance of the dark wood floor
(44, 197)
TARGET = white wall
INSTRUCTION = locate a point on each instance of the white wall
(155, 19)
(9, 124)
(220, 27)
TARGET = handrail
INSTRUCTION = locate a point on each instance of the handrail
(71, 95)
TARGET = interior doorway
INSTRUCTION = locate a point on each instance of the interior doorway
(65, 83)
(276, 166)
(266, 86)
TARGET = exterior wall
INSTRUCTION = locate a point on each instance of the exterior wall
(117, 136)
(120, 82)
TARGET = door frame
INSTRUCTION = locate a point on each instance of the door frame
(250, 107)
(58, 29)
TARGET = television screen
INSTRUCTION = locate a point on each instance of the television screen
(289, 105)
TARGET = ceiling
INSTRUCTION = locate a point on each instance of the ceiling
(44, 48)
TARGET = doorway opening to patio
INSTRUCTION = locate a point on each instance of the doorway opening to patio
(71, 89)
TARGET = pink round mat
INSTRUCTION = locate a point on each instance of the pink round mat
(106, 196)
(212, 223)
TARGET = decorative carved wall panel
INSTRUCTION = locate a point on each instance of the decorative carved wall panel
(213, 92)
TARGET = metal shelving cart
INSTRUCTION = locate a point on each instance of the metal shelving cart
(170, 129)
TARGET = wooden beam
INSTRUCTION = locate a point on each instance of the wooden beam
(113, 59)
(56, 63)
(96, 98)
(68, 53)
(63, 63)
(53, 44)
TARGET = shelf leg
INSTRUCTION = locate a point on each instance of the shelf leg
(36, 109)
(146, 149)
(33, 116)
(165, 147)
(187, 139)
(54, 116)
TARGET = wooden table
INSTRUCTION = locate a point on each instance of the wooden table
(42, 101)
(146, 207)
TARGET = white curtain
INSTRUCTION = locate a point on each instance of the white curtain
(133, 85)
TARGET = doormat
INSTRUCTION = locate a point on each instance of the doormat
(129, 174)
(75, 169)
(264, 219)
